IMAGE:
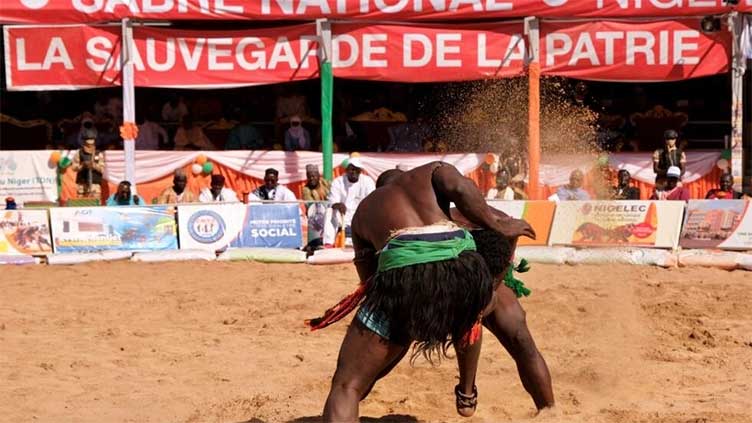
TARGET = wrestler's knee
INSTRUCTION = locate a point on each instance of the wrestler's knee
(511, 324)
(350, 384)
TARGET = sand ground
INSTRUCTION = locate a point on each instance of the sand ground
(224, 342)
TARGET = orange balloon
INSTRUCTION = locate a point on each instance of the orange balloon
(490, 159)
(55, 157)
(201, 159)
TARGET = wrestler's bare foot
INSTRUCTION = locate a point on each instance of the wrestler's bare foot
(466, 403)
(548, 412)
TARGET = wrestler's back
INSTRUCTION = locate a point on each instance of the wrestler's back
(408, 201)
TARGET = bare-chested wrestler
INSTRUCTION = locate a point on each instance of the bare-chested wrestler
(430, 276)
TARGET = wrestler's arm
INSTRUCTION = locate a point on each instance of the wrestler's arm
(461, 220)
(472, 206)
(365, 257)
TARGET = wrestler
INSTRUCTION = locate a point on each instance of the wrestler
(426, 280)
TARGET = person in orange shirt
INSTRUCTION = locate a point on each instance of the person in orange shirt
(177, 193)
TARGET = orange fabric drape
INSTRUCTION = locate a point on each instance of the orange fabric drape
(149, 191)
(243, 184)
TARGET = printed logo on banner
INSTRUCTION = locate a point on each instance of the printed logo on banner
(24, 232)
(7, 165)
(34, 4)
(206, 226)
(725, 224)
(80, 229)
(271, 225)
(616, 223)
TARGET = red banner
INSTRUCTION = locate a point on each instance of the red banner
(75, 57)
(639, 51)
(90, 11)
(427, 53)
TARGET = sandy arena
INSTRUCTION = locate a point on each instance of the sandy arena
(225, 342)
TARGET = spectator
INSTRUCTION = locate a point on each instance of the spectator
(244, 136)
(88, 163)
(315, 190)
(573, 190)
(86, 131)
(150, 134)
(518, 185)
(346, 194)
(726, 190)
(191, 137)
(10, 203)
(123, 196)
(623, 191)
(670, 155)
(502, 191)
(217, 193)
(296, 136)
(271, 190)
(673, 190)
(316, 187)
(174, 110)
(177, 193)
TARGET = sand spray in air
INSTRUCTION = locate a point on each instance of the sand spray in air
(492, 116)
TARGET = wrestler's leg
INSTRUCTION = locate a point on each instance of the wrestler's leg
(385, 372)
(507, 322)
(363, 357)
(467, 361)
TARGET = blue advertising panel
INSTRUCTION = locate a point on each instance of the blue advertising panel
(271, 225)
(85, 229)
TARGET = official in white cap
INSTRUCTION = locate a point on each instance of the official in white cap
(346, 194)
(674, 190)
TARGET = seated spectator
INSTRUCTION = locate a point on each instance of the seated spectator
(191, 137)
(88, 163)
(174, 110)
(10, 203)
(670, 155)
(244, 136)
(123, 196)
(296, 136)
(316, 187)
(217, 193)
(518, 186)
(726, 190)
(177, 193)
(346, 194)
(271, 190)
(623, 191)
(315, 190)
(150, 134)
(673, 189)
(502, 191)
(573, 190)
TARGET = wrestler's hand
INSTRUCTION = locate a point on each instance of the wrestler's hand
(513, 228)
